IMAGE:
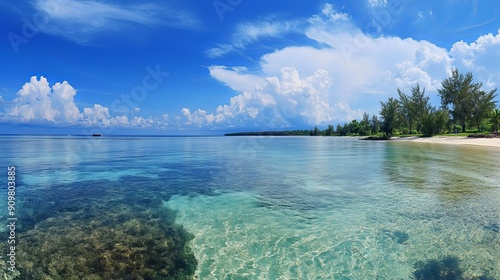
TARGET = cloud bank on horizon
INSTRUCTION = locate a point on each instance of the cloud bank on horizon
(338, 72)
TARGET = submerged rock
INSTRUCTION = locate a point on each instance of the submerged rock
(493, 227)
(446, 269)
(398, 236)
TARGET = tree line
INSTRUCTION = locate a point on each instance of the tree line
(464, 105)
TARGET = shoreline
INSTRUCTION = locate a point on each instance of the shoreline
(454, 140)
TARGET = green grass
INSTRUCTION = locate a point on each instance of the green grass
(467, 133)
(461, 134)
(409, 135)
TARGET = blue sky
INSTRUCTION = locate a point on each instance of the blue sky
(197, 67)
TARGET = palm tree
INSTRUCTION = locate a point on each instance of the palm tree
(495, 120)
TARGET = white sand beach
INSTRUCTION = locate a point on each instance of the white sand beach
(489, 142)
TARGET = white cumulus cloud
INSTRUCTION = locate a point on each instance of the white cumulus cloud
(480, 57)
(38, 102)
(329, 11)
(282, 100)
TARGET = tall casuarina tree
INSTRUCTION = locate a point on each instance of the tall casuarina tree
(465, 97)
(389, 113)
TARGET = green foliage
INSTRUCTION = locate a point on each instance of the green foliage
(374, 125)
(468, 102)
(339, 129)
(366, 119)
(420, 105)
(482, 105)
(435, 122)
(329, 131)
(485, 126)
(389, 113)
(345, 130)
(495, 120)
(413, 108)
(405, 109)
(442, 121)
(455, 91)
(316, 131)
(354, 127)
(457, 128)
(364, 125)
(364, 130)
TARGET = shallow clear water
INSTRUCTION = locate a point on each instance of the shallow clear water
(288, 207)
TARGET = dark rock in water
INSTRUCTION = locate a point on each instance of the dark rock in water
(493, 227)
(400, 237)
(446, 269)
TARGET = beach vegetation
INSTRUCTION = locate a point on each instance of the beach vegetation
(495, 120)
(315, 131)
(374, 125)
(329, 131)
(390, 116)
(465, 99)
(435, 122)
(413, 108)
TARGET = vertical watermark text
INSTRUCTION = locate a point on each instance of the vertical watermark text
(11, 217)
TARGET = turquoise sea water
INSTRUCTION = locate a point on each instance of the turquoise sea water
(254, 208)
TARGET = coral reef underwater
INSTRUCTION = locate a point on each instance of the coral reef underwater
(100, 230)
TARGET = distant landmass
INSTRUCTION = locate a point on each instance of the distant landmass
(304, 132)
